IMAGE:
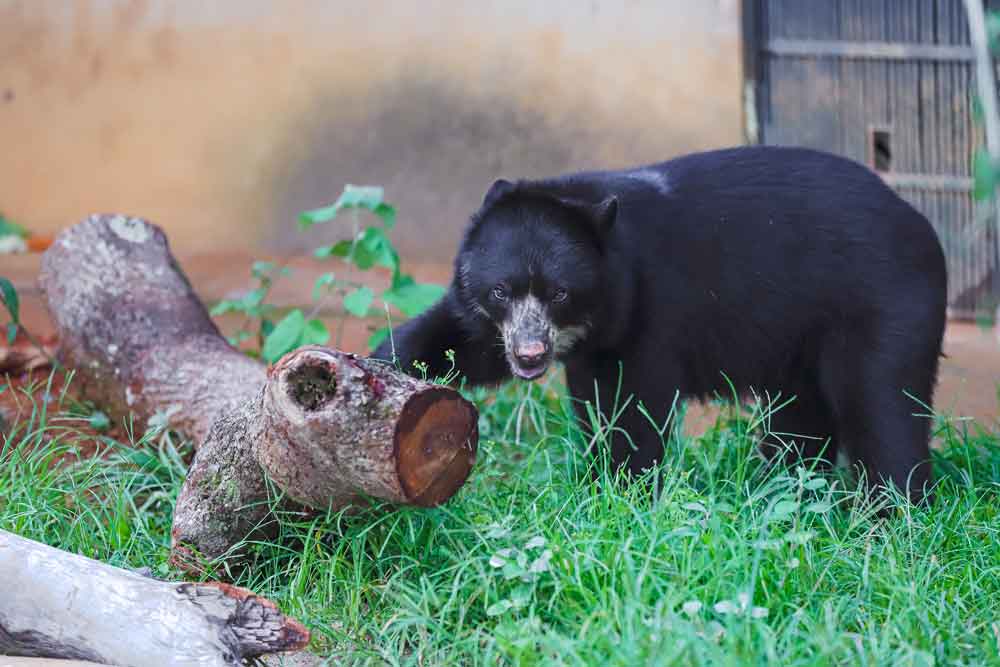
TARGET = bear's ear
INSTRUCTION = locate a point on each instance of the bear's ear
(604, 214)
(499, 188)
(601, 215)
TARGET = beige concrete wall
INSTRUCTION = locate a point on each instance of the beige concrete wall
(220, 120)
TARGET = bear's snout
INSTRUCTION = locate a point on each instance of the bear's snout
(531, 353)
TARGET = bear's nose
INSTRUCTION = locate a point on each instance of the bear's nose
(531, 353)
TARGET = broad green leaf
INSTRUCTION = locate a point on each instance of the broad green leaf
(249, 304)
(985, 174)
(499, 559)
(8, 228)
(315, 333)
(358, 301)
(8, 295)
(819, 507)
(783, 509)
(353, 196)
(521, 596)
(536, 542)
(286, 336)
(540, 564)
(339, 249)
(379, 247)
(356, 253)
(388, 215)
(362, 258)
(401, 279)
(11, 333)
(815, 483)
(414, 298)
(316, 216)
(362, 196)
(498, 608)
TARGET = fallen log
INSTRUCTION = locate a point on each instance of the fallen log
(325, 426)
(61, 605)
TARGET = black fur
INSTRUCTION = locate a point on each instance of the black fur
(782, 269)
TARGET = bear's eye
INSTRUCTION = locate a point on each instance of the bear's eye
(560, 296)
(499, 293)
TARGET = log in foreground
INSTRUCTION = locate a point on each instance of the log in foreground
(325, 426)
(60, 605)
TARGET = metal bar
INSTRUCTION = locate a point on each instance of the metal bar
(814, 48)
(939, 183)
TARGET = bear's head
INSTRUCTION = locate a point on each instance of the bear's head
(532, 266)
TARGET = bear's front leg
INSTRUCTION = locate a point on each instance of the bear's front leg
(616, 389)
(423, 343)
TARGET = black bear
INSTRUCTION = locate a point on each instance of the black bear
(785, 271)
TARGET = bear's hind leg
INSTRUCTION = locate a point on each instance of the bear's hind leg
(870, 377)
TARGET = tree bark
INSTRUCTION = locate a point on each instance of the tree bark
(325, 426)
(61, 605)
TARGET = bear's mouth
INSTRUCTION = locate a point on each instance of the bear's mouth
(528, 371)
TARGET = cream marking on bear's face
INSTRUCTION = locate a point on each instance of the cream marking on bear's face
(563, 340)
(529, 317)
(527, 313)
(527, 323)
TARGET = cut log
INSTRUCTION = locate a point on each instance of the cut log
(61, 605)
(325, 426)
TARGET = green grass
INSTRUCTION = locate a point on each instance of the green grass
(532, 563)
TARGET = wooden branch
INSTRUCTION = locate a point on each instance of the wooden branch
(61, 605)
(325, 426)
